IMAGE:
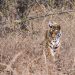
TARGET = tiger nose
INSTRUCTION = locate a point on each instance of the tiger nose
(53, 35)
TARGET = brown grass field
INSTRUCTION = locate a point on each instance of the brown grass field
(23, 53)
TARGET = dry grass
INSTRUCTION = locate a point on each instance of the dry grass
(26, 56)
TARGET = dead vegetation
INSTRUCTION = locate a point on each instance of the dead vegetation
(21, 51)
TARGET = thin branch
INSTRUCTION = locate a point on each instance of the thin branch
(47, 14)
(8, 67)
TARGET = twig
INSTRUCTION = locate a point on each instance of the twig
(47, 14)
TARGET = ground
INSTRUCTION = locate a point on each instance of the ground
(23, 54)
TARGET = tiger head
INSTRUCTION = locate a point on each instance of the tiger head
(54, 31)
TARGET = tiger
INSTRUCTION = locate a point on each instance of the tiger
(52, 38)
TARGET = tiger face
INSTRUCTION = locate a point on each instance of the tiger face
(54, 31)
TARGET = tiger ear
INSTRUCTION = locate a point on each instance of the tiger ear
(50, 24)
